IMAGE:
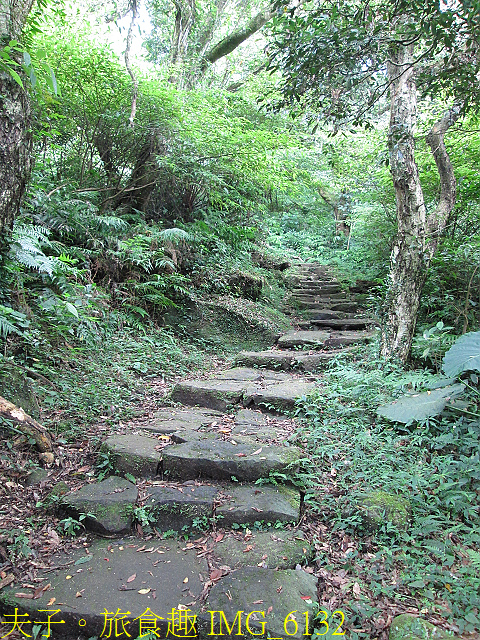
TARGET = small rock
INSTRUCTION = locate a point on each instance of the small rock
(378, 507)
(409, 627)
(110, 501)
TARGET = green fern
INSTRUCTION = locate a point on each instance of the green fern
(12, 322)
(474, 558)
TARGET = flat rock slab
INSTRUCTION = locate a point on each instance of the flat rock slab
(245, 504)
(280, 397)
(280, 592)
(340, 338)
(221, 460)
(285, 360)
(345, 324)
(170, 420)
(182, 506)
(255, 424)
(134, 454)
(271, 549)
(161, 570)
(303, 338)
(111, 501)
(215, 394)
(249, 374)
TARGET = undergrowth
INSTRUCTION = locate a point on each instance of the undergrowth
(434, 564)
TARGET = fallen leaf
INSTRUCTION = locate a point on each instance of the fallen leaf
(79, 594)
(306, 598)
(248, 548)
(185, 581)
(24, 595)
(241, 455)
(356, 589)
(132, 578)
(258, 602)
(50, 602)
(141, 548)
(216, 574)
(269, 610)
(257, 451)
(219, 537)
(279, 589)
(144, 591)
(68, 577)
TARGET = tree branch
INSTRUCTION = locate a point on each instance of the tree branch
(134, 9)
(437, 220)
(26, 424)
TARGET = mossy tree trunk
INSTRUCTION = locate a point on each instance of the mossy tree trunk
(15, 121)
(418, 234)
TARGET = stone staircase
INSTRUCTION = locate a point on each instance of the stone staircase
(201, 468)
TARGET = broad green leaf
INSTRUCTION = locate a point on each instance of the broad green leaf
(464, 355)
(421, 405)
(72, 309)
(83, 559)
(15, 76)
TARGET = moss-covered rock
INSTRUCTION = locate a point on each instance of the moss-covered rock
(110, 503)
(408, 627)
(378, 507)
(17, 388)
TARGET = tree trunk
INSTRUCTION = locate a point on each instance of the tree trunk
(340, 208)
(15, 134)
(15, 149)
(184, 21)
(417, 236)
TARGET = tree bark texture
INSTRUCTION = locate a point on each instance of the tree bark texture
(15, 133)
(184, 21)
(418, 235)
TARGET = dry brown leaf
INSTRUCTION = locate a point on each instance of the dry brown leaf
(257, 451)
(257, 602)
(248, 548)
(132, 577)
(216, 574)
(241, 455)
(50, 602)
(269, 610)
(219, 537)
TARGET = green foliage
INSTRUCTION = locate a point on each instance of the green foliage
(420, 406)
(433, 464)
(71, 527)
(464, 355)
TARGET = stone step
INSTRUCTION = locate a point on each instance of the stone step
(183, 507)
(318, 289)
(110, 502)
(348, 306)
(286, 360)
(149, 580)
(137, 455)
(280, 592)
(167, 574)
(342, 324)
(268, 549)
(308, 302)
(220, 460)
(325, 339)
(257, 387)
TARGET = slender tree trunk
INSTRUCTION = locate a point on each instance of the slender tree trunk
(417, 236)
(15, 119)
(184, 21)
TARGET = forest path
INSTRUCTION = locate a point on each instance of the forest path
(204, 466)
